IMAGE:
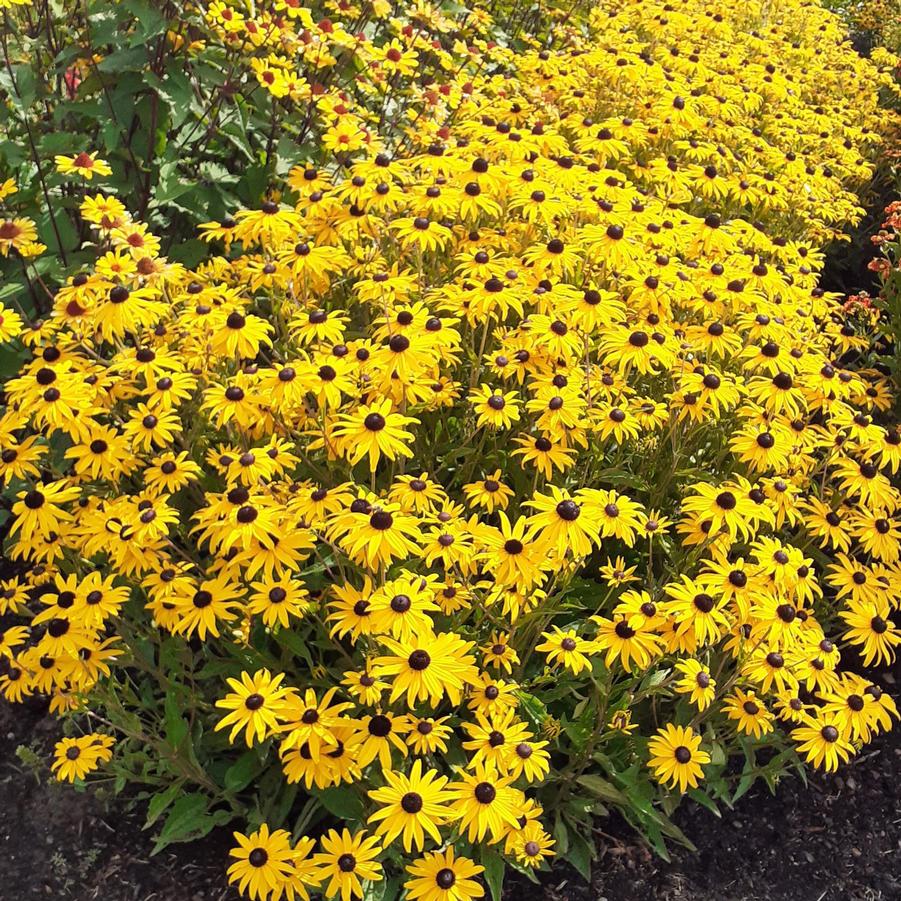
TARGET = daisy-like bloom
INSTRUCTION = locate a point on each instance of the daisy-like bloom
(276, 600)
(17, 234)
(567, 649)
(10, 639)
(544, 454)
(618, 516)
(419, 233)
(11, 324)
(411, 806)
(878, 535)
(416, 494)
(528, 760)
(565, 523)
(351, 611)
(532, 845)
(498, 653)
(346, 861)
(696, 611)
(676, 757)
(428, 735)
(270, 226)
(75, 758)
(512, 554)
(39, 511)
(856, 711)
(616, 573)
(484, 803)
(84, 164)
(492, 695)
(364, 687)
(310, 721)
(263, 863)
(863, 480)
(621, 721)
(442, 876)
(769, 669)
(373, 431)
(255, 704)
(380, 735)
(427, 667)
(495, 409)
(634, 646)
(871, 628)
(696, 682)
(380, 536)
(241, 334)
(303, 870)
(821, 743)
(491, 739)
(200, 610)
(750, 714)
(777, 620)
(722, 507)
(490, 493)
(403, 608)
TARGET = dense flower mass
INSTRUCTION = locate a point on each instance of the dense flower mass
(504, 460)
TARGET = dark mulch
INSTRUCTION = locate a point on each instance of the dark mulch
(838, 840)
(58, 843)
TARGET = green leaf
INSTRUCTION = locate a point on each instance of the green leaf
(533, 708)
(160, 801)
(175, 90)
(705, 800)
(561, 836)
(130, 59)
(717, 754)
(342, 801)
(184, 821)
(175, 724)
(149, 21)
(241, 773)
(65, 142)
(601, 788)
(494, 872)
(580, 854)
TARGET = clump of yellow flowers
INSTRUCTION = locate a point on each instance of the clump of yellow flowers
(505, 461)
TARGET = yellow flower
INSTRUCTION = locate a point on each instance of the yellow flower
(75, 758)
(676, 757)
(84, 164)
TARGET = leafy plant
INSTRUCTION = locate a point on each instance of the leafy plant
(428, 434)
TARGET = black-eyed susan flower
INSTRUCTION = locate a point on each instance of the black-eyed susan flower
(443, 876)
(411, 806)
(254, 704)
(427, 667)
(565, 522)
(871, 628)
(346, 861)
(749, 713)
(696, 682)
(263, 862)
(676, 757)
(568, 649)
(484, 803)
(632, 644)
(820, 741)
(75, 758)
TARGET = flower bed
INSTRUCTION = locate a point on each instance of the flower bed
(500, 465)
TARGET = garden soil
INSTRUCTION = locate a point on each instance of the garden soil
(837, 840)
